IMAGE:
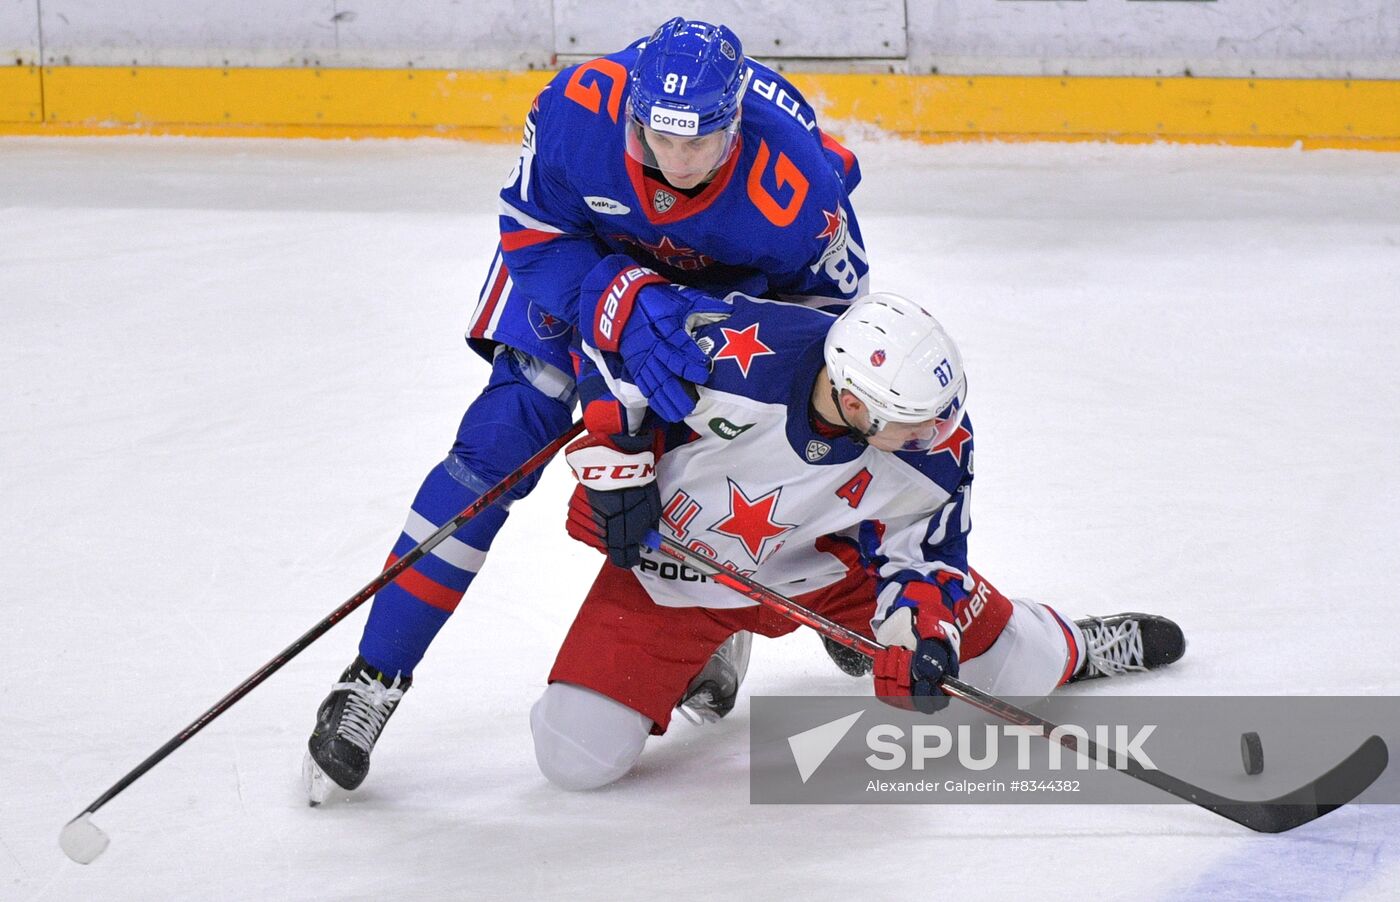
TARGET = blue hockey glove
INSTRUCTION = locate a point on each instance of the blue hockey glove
(641, 316)
(616, 502)
(659, 352)
(921, 648)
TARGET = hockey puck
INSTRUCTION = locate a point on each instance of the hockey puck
(1252, 751)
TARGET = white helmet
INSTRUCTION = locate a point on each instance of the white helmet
(895, 357)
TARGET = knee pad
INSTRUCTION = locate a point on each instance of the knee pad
(583, 739)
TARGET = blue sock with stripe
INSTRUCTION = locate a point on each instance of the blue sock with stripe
(408, 613)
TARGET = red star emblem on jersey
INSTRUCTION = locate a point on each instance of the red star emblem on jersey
(742, 346)
(674, 255)
(833, 225)
(954, 444)
(546, 325)
(751, 521)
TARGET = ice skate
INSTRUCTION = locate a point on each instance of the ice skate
(348, 724)
(851, 662)
(711, 695)
(1124, 643)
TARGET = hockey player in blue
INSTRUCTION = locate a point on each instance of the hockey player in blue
(687, 157)
(813, 437)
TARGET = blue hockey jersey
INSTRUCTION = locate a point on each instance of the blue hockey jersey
(775, 221)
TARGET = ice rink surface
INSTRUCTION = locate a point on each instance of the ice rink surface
(227, 365)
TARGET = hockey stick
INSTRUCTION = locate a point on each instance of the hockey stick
(1345, 781)
(83, 841)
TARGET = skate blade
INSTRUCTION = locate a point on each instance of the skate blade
(319, 787)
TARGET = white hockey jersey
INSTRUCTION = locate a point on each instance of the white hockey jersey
(748, 480)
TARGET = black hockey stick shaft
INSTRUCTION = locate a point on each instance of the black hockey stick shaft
(390, 573)
(1330, 791)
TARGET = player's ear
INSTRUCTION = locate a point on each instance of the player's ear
(852, 408)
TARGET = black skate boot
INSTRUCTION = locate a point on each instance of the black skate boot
(348, 723)
(1127, 642)
(850, 661)
(713, 692)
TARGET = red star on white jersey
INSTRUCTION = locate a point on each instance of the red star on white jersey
(751, 521)
(954, 444)
(742, 346)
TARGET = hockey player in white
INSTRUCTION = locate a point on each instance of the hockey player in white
(831, 459)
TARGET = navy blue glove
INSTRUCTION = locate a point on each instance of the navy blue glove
(921, 648)
(616, 502)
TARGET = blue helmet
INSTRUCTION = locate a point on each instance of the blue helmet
(689, 79)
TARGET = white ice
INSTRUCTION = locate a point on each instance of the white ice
(227, 364)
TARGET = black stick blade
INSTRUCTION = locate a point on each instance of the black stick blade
(1307, 803)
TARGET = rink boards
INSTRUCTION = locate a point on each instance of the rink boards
(489, 105)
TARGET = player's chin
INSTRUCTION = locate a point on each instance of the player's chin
(881, 443)
(685, 180)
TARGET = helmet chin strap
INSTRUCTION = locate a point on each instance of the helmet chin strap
(857, 435)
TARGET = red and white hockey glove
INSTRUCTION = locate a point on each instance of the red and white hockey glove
(616, 501)
(921, 648)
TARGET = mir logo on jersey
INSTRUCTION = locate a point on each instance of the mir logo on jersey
(727, 430)
(607, 205)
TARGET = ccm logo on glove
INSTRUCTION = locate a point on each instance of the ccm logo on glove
(603, 468)
(616, 502)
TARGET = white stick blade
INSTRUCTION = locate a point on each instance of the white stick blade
(82, 840)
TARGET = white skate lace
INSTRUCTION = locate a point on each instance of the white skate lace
(367, 708)
(1114, 650)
